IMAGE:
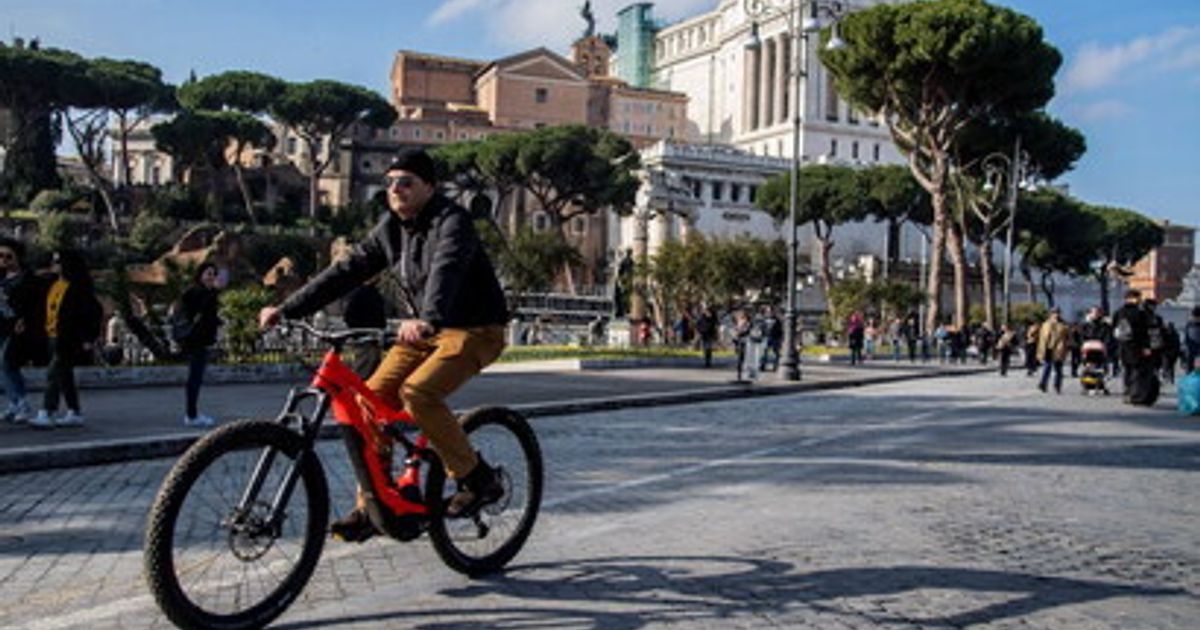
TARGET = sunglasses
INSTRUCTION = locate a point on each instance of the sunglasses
(6, 256)
(399, 181)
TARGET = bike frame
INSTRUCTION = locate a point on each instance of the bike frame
(356, 408)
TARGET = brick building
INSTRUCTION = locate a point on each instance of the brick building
(1160, 273)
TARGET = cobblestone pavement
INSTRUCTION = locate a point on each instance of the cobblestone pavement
(964, 502)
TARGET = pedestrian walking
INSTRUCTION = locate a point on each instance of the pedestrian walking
(706, 329)
(870, 339)
(855, 330)
(1131, 330)
(194, 327)
(1031, 355)
(1052, 349)
(773, 329)
(912, 334)
(1171, 349)
(1074, 348)
(18, 297)
(896, 337)
(745, 345)
(73, 318)
(1004, 347)
(1191, 342)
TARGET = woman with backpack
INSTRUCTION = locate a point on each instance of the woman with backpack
(194, 327)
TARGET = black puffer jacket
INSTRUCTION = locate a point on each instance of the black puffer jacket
(199, 305)
(437, 259)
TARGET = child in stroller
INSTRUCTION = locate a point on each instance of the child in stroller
(1094, 361)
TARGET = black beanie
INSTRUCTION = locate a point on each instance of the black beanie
(417, 162)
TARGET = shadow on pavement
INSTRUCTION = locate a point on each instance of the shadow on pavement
(647, 590)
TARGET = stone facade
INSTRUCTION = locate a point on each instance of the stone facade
(746, 97)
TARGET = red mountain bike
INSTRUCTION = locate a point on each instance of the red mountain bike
(240, 521)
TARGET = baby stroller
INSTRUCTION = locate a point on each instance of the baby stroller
(1095, 358)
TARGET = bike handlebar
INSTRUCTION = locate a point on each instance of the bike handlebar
(381, 336)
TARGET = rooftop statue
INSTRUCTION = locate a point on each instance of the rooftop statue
(586, 13)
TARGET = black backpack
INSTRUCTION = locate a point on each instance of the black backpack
(1156, 334)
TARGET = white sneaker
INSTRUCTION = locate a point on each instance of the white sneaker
(42, 420)
(21, 413)
(69, 419)
(200, 422)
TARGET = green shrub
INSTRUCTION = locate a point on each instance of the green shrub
(56, 200)
(175, 202)
(239, 312)
(58, 230)
(307, 252)
(150, 234)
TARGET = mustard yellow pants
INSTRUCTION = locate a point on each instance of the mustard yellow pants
(419, 377)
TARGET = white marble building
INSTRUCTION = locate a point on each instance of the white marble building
(740, 108)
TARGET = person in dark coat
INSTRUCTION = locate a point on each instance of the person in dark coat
(706, 330)
(73, 318)
(18, 297)
(1132, 332)
(194, 327)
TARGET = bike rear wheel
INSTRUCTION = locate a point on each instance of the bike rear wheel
(487, 541)
(210, 564)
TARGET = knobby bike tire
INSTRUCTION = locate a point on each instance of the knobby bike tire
(448, 548)
(160, 569)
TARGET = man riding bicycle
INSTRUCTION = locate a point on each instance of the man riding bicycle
(455, 325)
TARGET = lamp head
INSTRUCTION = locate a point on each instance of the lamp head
(812, 19)
(835, 40)
(753, 42)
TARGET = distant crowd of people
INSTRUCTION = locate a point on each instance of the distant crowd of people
(1135, 342)
(54, 319)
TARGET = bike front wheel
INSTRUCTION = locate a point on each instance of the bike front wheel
(485, 542)
(214, 556)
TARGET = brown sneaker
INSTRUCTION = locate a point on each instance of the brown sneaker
(481, 487)
(354, 527)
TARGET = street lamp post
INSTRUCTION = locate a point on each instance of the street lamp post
(799, 29)
(1015, 169)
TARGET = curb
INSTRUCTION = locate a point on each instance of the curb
(115, 451)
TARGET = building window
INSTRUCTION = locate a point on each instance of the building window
(831, 100)
(697, 188)
(291, 145)
(416, 134)
(439, 135)
(718, 190)
(735, 191)
(462, 135)
(854, 150)
(366, 165)
(851, 116)
(540, 223)
(395, 132)
(876, 151)
(753, 194)
(833, 147)
(541, 95)
(579, 226)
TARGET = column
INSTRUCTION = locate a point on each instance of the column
(750, 91)
(780, 80)
(764, 85)
(785, 79)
